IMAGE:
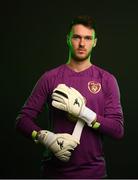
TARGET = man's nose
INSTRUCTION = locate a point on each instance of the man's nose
(82, 42)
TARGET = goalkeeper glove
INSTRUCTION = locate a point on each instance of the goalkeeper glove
(61, 144)
(69, 99)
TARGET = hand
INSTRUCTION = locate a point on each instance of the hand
(70, 100)
(60, 144)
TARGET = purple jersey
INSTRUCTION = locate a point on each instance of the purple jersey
(101, 91)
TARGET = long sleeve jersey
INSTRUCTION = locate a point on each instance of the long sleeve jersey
(102, 94)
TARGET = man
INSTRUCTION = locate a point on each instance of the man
(84, 104)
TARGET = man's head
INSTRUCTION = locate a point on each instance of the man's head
(81, 38)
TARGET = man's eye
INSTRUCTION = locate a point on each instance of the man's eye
(88, 38)
(75, 37)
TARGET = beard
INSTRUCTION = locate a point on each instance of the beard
(80, 58)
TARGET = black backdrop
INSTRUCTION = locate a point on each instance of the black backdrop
(33, 36)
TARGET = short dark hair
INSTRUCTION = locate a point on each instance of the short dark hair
(85, 20)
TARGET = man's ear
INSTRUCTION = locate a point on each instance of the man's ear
(95, 42)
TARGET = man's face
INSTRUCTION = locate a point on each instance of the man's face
(81, 40)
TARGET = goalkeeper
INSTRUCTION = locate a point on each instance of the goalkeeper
(84, 105)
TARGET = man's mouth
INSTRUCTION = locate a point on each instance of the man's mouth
(81, 51)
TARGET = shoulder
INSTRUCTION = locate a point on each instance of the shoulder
(103, 74)
(108, 80)
(47, 79)
(52, 72)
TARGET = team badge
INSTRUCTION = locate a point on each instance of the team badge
(94, 87)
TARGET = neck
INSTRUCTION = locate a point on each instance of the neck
(78, 66)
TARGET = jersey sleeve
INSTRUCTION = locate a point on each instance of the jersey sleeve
(25, 121)
(112, 123)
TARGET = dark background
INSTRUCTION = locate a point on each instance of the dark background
(33, 37)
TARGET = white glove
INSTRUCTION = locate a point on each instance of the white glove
(60, 144)
(69, 99)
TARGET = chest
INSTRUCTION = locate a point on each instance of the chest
(91, 88)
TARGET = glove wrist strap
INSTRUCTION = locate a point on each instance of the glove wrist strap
(88, 116)
(46, 137)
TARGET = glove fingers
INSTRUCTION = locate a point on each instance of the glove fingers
(76, 92)
(71, 100)
(63, 146)
(59, 105)
(64, 155)
(61, 86)
(61, 92)
(62, 89)
(70, 138)
(73, 144)
(58, 97)
(64, 158)
(65, 152)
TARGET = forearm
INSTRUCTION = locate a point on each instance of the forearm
(26, 125)
(112, 126)
(34, 105)
(110, 123)
(111, 118)
(25, 121)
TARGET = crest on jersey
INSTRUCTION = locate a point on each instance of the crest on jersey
(94, 87)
